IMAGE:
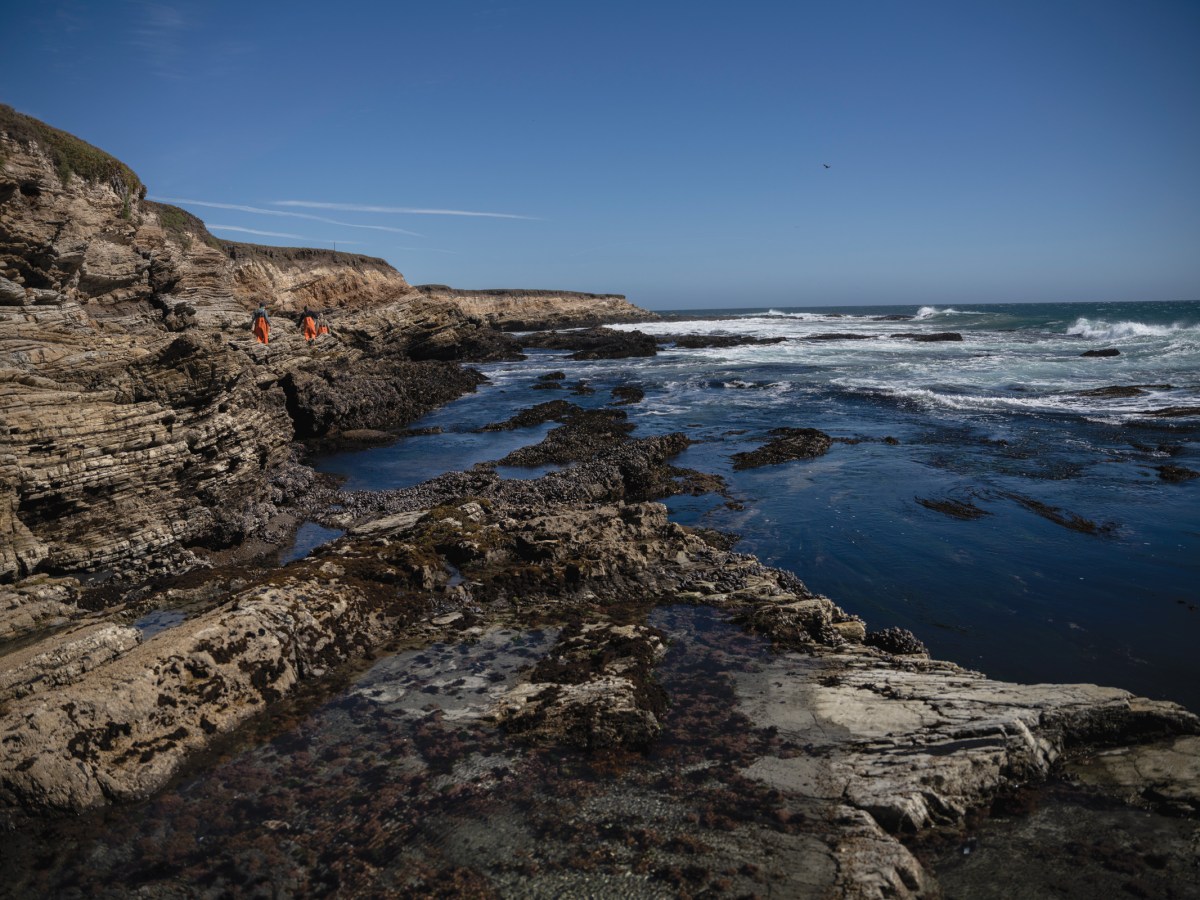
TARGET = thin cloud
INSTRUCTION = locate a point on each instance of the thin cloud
(279, 212)
(282, 234)
(358, 207)
(159, 36)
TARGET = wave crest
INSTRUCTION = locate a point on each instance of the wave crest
(928, 312)
(1100, 330)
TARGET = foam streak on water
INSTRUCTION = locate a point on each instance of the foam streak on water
(1030, 350)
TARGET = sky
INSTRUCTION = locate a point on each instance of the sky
(685, 154)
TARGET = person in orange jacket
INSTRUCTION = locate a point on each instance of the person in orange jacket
(260, 325)
(308, 324)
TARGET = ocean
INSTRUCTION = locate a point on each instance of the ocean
(1082, 563)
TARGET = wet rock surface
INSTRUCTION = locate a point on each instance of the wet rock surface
(1124, 390)
(705, 341)
(786, 444)
(839, 336)
(1110, 351)
(932, 338)
(331, 398)
(1176, 411)
(551, 411)
(594, 343)
(593, 690)
(627, 394)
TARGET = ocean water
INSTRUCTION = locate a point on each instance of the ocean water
(1012, 420)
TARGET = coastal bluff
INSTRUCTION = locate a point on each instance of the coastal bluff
(142, 423)
(478, 685)
(529, 310)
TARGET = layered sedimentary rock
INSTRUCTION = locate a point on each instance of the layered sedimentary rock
(527, 310)
(852, 748)
(139, 417)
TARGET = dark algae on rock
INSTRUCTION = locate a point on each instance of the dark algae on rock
(786, 444)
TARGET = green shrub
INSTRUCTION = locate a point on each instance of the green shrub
(183, 225)
(70, 155)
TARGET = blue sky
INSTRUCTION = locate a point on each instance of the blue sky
(674, 152)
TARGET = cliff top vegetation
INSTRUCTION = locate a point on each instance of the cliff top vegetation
(70, 154)
(506, 292)
(183, 225)
(239, 250)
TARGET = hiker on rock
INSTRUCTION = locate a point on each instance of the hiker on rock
(308, 324)
(261, 325)
(322, 324)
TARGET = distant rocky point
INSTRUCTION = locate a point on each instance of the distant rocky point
(530, 310)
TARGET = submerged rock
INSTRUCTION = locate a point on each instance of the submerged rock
(1176, 412)
(1176, 474)
(1124, 390)
(958, 509)
(1062, 517)
(1110, 351)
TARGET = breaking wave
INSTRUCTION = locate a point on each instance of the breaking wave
(1099, 330)
(928, 312)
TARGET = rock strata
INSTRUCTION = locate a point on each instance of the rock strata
(528, 310)
(142, 424)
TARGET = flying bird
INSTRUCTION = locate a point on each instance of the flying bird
(826, 165)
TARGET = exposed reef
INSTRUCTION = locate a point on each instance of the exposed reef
(786, 444)
(594, 343)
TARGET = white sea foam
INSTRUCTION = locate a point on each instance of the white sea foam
(927, 312)
(780, 314)
(1099, 330)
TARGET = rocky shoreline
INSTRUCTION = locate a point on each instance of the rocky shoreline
(635, 706)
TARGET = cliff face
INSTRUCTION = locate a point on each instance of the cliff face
(517, 310)
(139, 419)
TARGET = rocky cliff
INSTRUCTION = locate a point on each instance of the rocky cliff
(517, 310)
(139, 419)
